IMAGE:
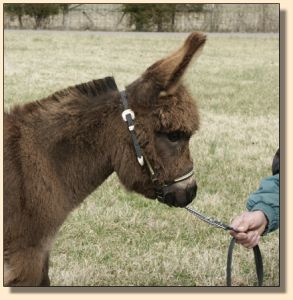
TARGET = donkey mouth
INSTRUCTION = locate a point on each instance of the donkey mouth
(180, 197)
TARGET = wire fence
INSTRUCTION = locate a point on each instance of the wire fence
(214, 18)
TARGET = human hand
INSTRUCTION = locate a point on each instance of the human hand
(251, 225)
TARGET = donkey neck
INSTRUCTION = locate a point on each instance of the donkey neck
(73, 130)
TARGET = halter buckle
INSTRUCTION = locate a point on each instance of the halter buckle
(128, 112)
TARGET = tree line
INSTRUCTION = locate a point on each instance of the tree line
(159, 17)
(39, 12)
(144, 17)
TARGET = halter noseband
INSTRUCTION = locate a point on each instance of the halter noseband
(160, 189)
(129, 116)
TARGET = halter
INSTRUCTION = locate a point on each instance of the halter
(129, 117)
(160, 189)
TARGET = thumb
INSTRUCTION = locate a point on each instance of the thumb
(242, 222)
(243, 227)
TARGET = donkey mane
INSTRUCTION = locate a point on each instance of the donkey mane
(59, 149)
(94, 90)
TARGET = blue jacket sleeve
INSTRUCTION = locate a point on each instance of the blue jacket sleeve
(267, 199)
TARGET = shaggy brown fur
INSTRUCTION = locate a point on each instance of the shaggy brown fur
(60, 149)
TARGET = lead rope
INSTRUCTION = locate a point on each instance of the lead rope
(257, 259)
(256, 251)
(129, 116)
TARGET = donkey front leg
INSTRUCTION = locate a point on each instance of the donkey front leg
(27, 267)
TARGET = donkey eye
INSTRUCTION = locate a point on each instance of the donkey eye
(175, 136)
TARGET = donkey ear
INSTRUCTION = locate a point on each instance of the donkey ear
(169, 71)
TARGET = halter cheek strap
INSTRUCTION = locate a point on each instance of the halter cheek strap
(160, 189)
(128, 116)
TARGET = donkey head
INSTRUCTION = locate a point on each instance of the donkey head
(166, 116)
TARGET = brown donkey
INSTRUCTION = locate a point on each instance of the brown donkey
(60, 149)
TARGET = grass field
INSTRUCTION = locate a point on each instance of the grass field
(119, 238)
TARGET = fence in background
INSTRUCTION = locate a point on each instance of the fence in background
(214, 18)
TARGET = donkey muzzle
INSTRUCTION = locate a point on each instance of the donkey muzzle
(178, 194)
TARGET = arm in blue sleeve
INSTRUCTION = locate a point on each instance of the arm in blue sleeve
(267, 200)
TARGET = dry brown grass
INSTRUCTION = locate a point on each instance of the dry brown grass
(119, 238)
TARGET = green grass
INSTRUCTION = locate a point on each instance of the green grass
(120, 238)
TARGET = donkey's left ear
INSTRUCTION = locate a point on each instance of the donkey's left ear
(169, 71)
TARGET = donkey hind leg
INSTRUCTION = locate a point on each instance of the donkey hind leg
(46, 279)
(25, 267)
